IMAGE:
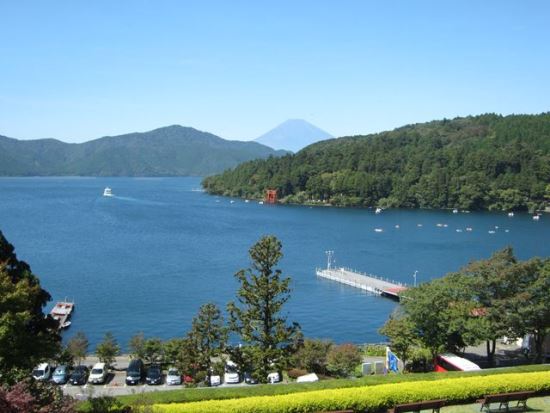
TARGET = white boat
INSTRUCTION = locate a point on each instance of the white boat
(378, 210)
(510, 214)
(62, 312)
(536, 217)
(455, 211)
(378, 230)
(107, 192)
(261, 202)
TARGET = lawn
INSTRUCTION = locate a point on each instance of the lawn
(536, 404)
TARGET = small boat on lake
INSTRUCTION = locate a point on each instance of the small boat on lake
(378, 210)
(510, 214)
(107, 192)
(455, 211)
(62, 312)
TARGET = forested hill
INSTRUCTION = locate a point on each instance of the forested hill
(169, 151)
(474, 163)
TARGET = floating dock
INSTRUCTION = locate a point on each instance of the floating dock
(367, 282)
(62, 312)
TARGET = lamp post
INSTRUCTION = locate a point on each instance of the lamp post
(329, 258)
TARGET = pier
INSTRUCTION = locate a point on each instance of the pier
(367, 282)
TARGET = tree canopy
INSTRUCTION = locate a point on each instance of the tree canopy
(27, 335)
(474, 163)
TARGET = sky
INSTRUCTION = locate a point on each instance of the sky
(78, 70)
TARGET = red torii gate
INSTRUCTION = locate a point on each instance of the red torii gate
(271, 196)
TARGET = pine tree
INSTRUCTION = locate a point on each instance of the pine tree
(257, 317)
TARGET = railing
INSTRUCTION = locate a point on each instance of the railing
(397, 283)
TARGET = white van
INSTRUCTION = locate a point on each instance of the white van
(98, 375)
(42, 372)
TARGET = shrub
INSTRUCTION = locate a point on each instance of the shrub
(295, 373)
(342, 360)
(312, 356)
(372, 398)
(374, 350)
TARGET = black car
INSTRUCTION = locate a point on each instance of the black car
(79, 376)
(248, 379)
(154, 375)
(135, 372)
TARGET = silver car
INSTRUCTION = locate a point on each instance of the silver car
(173, 377)
(61, 374)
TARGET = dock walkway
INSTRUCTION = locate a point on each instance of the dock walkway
(367, 282)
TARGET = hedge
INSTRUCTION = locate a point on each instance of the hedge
(371, 398)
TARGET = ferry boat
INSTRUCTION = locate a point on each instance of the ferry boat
(107, 192)
(62, 312)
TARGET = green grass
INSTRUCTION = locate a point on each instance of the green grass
(535, 404)
(200, 394)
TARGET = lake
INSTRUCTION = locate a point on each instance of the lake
(148, 257)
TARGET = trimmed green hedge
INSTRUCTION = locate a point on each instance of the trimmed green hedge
(371, 398)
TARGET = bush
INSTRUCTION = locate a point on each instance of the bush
(295, 373)
(342, 360)
(374, 350)
(372, 398)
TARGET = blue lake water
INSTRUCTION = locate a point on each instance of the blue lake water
(147, 258)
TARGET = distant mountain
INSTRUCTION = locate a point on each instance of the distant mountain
(169, 151)
(293, 135)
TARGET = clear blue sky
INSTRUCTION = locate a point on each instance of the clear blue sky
(77, 70)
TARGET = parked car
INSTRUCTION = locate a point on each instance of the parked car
(231, 374)
(154, 375)
(98, 375)
(61, 374)
(135, 372)
(215, 380)
(248, 379)
(42, 372)
(173, 378)
(274, 377)
(79, 376)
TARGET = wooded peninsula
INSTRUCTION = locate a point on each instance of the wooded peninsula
(486, 162)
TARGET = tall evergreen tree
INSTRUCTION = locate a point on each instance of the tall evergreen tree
(27, 336)
(208, 336)
(257, 315)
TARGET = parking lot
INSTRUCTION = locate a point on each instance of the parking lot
(116, 383)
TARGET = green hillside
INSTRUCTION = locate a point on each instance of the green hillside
(474, 163)
(169, 151)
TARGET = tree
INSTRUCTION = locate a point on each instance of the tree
(442, 313)
(529, 309)
(153, 350)
(494, 283)
(313, 354)
(257, 316)
(78, 346)
(108, 349)
(342, 359)
(208, 335)
(27, 336)
(136, 345)
(172, 349)
(400, 330)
